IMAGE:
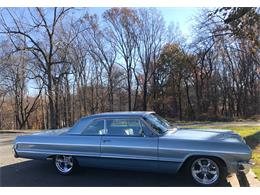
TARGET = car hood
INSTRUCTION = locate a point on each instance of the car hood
(204, 134)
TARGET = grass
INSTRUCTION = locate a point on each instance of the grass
(250, 133)
(256, 158)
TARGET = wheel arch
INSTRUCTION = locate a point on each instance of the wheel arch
(190, 157)
(52, 157)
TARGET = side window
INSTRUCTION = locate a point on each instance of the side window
(124, 127)
(95, 128)
(146, 130)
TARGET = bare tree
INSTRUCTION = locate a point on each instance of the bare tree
(15, 78)
(150, 39)
(121, 23)
(101, 48)
(39, 32)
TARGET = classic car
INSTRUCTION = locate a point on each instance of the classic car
(139, 141)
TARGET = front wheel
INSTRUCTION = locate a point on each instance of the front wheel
(64, 164)
(206, 171)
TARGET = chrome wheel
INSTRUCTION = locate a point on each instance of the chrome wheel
(64, 164)
(205, 171)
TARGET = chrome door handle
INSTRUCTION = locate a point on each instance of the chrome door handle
(106, 140)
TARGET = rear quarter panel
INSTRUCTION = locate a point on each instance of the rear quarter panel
(41, 147)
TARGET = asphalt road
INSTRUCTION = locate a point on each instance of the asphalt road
(24, 172)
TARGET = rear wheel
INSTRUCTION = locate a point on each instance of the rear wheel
(206, 171)
(64, 164)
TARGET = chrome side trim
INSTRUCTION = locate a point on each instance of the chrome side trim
(205, 151)
(54, 144)
(49, 153)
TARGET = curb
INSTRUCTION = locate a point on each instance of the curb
(244, 180)
(252, 179)
(233, 180)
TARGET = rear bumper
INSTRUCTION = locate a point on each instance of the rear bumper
(244, 167)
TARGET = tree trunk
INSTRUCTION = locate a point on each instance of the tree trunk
(190, 110)
(110, 93)
(53, 121)
(179, 100)
(145, 95)
(129, 90)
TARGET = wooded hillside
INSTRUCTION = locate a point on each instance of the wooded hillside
(59, 64)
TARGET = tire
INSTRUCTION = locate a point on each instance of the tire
(206, 171)
(64, 164)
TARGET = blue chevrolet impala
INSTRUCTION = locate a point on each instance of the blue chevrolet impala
(139, 141)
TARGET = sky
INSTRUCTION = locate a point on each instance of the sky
(181, 16)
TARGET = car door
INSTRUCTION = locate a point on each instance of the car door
(88, 142)
(126, 145)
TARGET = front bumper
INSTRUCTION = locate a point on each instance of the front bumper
(244, 167)
(14, 151)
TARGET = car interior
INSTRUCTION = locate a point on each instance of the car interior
(123, 127)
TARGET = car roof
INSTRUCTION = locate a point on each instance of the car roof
(120, 114)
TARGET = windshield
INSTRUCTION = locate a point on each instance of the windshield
(158, 123)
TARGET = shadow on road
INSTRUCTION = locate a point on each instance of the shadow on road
(42, 173)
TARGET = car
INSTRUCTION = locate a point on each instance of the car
(141, 141)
